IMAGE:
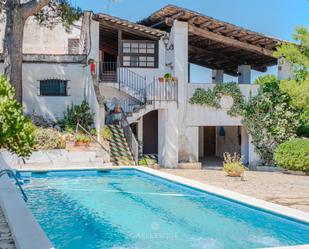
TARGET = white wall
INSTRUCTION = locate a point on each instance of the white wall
(203, 115)
(50, 106)
(42, 40)
(151, 73)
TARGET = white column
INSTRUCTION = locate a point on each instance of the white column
(140, 129)
(179, 37)
(217, 76)
(284, 70)
(244, 76)
(201, 141)
(254, 158)
(244, 149)
(190, 148)
(168, 136)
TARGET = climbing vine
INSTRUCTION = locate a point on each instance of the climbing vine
(212, 97)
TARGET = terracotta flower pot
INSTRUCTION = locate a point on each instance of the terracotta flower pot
(80, 143)
(161, 79)
(234, 174)
(174, 79)
(117, 109)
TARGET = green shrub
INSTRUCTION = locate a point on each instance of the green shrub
(147, 161)
(293, 155)
(48, 139)
(77, 114)
(16, 131)
(106, 133)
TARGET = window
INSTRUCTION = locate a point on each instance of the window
(73, 46)
(139, 54)
(53, 87)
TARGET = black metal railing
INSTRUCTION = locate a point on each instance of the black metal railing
(132, 83)
(166, 90)
(130, 105)
(107, 71)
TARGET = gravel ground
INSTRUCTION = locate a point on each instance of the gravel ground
(6, 240)
(277, 187)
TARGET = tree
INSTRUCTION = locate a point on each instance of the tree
(269, 118)
(16, 131)
(298, 87)
(17, 12)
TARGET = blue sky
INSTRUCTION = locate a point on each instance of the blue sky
(276, 18)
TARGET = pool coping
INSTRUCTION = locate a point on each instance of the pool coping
(287, 212)
(26, 232)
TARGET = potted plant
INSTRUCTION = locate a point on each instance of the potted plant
(91, 63)
(167, 77)
(174, 79)
(117, 109)
(82, 140)
(161, 79)
(233, 165)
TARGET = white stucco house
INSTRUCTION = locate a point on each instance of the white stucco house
(131, 59)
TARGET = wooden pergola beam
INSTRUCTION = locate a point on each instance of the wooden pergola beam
(223, 59)
(229, 41)
(167, 20)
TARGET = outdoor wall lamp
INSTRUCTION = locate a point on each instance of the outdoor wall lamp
(170, 65)
(166, 41)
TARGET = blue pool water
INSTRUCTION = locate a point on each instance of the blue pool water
(130, 209)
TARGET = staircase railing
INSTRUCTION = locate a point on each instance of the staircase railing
(130, 137)
(132, 83)
(128, 81)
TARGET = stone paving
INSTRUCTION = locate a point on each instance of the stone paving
(277, 187)
(6, 240)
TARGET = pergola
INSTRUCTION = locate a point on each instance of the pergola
(216, 44)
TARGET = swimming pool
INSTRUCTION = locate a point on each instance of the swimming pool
(132, 209)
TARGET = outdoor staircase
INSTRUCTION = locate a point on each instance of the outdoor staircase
(120, 151)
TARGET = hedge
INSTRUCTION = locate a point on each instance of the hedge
(293, 155)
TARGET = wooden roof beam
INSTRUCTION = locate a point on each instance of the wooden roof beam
(205, 24)
(130, 30)
(229, 41)
(220, 58)
(167, 20)
(193, 19)
(219, 29)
